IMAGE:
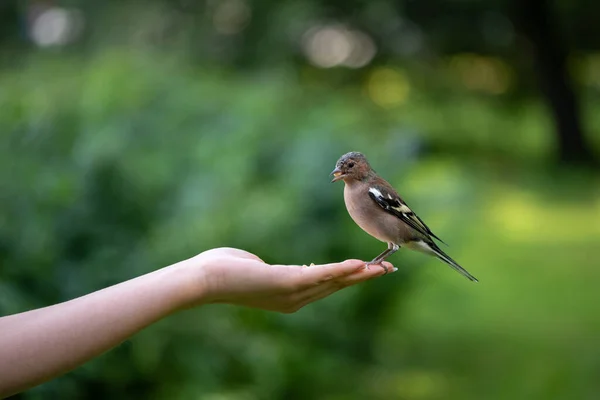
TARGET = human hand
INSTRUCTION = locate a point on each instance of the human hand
(237, 277)
(40, 344)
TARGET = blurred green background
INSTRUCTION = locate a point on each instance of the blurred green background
(136, 134)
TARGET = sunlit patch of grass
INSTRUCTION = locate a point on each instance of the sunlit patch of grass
(520, 215)
(537, 260)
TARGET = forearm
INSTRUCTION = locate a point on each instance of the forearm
(38, 345)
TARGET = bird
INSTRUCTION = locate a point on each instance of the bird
(378, 209)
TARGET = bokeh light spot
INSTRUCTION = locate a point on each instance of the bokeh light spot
(56, 27)
(231, 16)
(334, 45)
(589, 70)
(363, 50)
(388, 87)
(480, 73)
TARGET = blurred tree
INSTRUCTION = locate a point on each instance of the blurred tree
(273, 30)
(10, 22)
(536, 20)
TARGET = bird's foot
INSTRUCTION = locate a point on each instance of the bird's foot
(377, 262)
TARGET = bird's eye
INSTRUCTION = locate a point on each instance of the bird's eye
(350, 164)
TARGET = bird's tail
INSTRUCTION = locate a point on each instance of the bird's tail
(432, 248)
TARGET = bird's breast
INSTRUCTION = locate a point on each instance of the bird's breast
(370, 217)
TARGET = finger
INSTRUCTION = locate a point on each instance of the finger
(326, 272)
(365, 274)
(316, 290)
(322, 292)
(325, 289)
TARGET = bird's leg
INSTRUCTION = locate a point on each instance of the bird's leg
(380, 257)
(392, 248)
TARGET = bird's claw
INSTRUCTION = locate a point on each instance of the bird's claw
(380, 263)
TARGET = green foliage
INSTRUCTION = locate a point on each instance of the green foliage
(121, 164)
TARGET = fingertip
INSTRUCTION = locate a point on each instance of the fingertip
(365, 273)
(384, 268)
(355, 265)
(390, 267)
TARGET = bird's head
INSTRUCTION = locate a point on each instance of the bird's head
(351, 166)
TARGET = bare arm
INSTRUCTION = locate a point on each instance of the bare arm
(41, 344)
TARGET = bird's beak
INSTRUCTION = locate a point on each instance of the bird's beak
(337, 175)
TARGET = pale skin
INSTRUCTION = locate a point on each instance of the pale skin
(38, 345)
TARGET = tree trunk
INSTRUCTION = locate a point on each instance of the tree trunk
(535, 20)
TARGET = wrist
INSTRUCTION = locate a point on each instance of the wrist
(189, 283)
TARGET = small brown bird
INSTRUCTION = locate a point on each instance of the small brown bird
(376, 207)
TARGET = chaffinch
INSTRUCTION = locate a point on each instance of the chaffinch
(376, 207)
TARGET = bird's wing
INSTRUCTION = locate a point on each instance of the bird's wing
(391, 202)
